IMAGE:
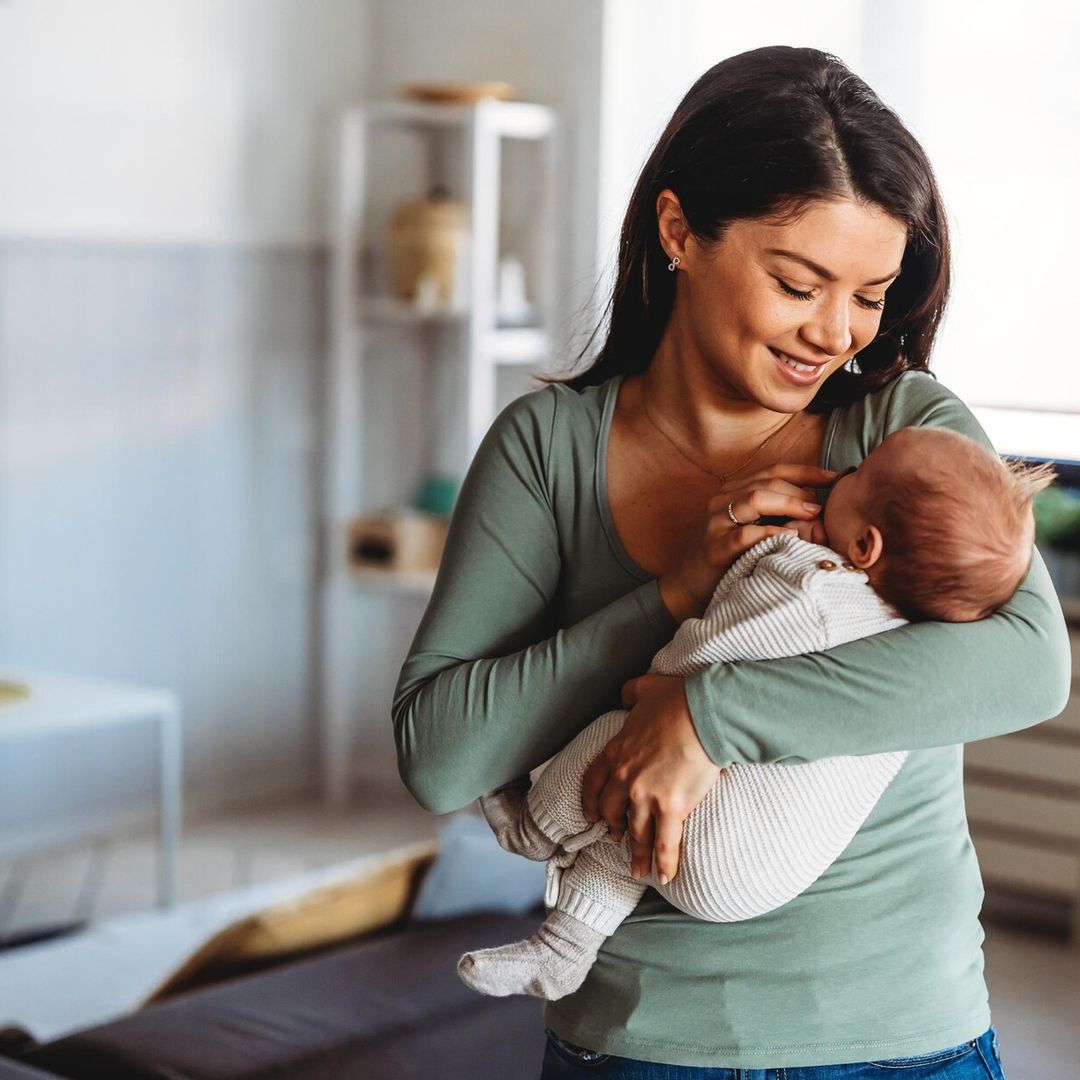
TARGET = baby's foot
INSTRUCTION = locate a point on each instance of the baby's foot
(550, 965)
(507, 812)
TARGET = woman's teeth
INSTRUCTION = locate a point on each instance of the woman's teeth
(799, 373)
(795, 363)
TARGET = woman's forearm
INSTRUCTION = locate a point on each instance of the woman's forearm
(923, 685)
(463, 728)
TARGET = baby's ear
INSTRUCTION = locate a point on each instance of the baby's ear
(867, 548)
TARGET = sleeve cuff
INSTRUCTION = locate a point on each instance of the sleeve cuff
(653, 606)
(706, 718)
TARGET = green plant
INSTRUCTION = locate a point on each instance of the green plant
(1057, 517)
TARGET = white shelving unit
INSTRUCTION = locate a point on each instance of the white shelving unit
(463, 147)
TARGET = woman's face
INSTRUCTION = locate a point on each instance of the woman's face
(768, 297)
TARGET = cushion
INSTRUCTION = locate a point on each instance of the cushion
(472, 874)
(374, 898)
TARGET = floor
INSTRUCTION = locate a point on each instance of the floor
(1034, 977)
(119, 875)
(1035, 996)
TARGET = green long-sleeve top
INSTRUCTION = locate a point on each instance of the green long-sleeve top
(537, 619)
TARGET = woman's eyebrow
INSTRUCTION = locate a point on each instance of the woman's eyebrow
(820, 270)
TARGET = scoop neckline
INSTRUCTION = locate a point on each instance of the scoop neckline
(603, 502)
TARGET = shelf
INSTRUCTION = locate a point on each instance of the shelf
(510, 119)
(390, 309)
(505, 344)
(462, 147)
(418, 583)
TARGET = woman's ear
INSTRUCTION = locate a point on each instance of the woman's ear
(671, 224)
(867, 547)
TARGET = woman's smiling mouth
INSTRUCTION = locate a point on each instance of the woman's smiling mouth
(797, 371)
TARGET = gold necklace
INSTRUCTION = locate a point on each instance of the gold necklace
(697, 465)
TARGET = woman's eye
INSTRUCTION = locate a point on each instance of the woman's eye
(795, 292)
(798, 294)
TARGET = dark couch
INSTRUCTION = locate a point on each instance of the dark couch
(390, 1005)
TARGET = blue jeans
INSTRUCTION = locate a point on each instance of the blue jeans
(974, 1060)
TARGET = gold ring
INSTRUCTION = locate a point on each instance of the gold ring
(731, 514)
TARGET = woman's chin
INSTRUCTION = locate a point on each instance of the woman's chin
(782, 395)
(784, 399)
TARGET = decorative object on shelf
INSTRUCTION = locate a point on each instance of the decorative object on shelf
(458, 93)
(512, 307)
(436, 493)
(399, 541)
(1057, 532)
(427, 244)
(13, 691)
(1057, 516)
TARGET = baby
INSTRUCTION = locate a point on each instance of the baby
(939, 528)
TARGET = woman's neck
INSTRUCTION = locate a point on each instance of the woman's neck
(682, 393)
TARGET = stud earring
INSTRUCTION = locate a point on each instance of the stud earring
(674, 262)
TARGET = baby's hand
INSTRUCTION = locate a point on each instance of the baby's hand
(813, 531)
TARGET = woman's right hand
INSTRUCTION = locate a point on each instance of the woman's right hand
(778, 491)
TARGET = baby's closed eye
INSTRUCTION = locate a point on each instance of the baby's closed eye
(813, 531)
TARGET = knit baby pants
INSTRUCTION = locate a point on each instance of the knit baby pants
(762, 835)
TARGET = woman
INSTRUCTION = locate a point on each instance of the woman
(785, 224)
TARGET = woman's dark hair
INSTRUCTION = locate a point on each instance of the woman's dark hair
(760, 135)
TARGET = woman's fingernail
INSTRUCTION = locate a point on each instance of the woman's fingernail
(663, 879)
(812, 507)
(636, 872)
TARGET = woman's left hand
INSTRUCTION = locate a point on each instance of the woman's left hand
(651, 775)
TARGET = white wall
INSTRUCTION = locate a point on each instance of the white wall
(162, 345)
(188, 121)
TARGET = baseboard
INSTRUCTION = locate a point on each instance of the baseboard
(251, 792)
(373, 779)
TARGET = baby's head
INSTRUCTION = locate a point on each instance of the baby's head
(942, 526)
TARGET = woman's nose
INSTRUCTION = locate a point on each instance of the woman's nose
(829, 329)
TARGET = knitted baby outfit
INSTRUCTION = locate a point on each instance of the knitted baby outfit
(762, 835)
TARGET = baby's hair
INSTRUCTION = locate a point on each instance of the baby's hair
(958, 532)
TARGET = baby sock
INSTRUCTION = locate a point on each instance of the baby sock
(549, 965)
(507, 812)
